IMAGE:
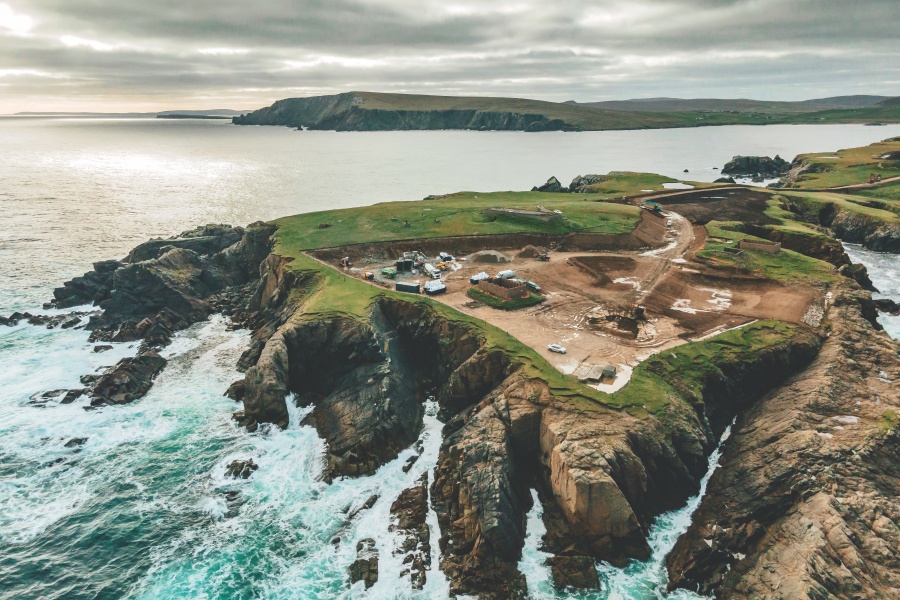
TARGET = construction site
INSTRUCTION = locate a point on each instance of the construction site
(609, 303)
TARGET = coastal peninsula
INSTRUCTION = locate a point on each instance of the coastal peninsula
(716, 305)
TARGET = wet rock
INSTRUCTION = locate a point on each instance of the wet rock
(574, 572)
(69, 323)
(887, 305)
(241, 469)
(128, 380)
(365, 567)
(407, 467)
(724, 180)
(102, 348)
(237, 390)
(410, 510)
(75, 442)
(72, 395)
(369, 503)
(90, 380)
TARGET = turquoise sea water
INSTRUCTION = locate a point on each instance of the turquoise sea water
(138, 506)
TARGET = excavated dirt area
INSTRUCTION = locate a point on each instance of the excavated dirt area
(738, 204)
(590, 296)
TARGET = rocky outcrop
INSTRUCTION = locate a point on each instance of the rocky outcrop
(241, 469)
(552, 185)
(850, 226)
(128, 380)
(574, 572)
(756, 166)
(805, 502)
(800, 167)
(165, 285)
(582, 184)
(410, 510)
(365, 567)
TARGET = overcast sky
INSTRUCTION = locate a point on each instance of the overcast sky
(145, 55)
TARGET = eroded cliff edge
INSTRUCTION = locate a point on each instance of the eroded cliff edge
(807, 499)
(602, 474)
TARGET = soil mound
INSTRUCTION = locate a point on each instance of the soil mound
(531, 252)
(488, 256)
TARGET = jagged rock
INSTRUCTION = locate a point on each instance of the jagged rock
(369, 503)
(69, 323)
(574, 572)
(241, 469)
(72, 395)
(89, 380)
(410, 510)
(724, 180)
(237, 390)
(887, 305)
(859, 274)
(807, 497)
(75, 442)
(365, 567)
(582, 183)
(756, 166)
(102, 348)
(552, 185)
(128, 380)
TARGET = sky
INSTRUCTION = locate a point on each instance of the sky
(148, 55)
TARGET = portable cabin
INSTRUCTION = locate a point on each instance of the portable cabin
(507, 274)
(412, 288)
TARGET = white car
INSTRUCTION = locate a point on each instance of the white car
(669, 223)
(556, 348)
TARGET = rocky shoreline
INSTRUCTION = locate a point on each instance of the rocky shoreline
(602, 474)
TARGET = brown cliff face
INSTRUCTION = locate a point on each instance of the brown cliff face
(806, 501)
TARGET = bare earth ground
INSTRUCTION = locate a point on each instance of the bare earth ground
(684, 300)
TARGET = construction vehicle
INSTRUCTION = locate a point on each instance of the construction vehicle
(444, 266)
(544, 257)
(389, 272)
(652, 206)
(345, 262)
(432, 271)
(874, 177)
(370, 276)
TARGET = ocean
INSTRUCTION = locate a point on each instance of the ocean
(132, 501)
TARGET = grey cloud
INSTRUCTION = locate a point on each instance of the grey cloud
(581, 49)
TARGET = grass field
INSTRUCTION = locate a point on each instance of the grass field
(456, 214)
(786, 266)
(848, 202)
(852, 165)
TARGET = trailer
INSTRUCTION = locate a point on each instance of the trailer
(410, 287)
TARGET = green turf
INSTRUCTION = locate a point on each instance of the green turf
(505, 304)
